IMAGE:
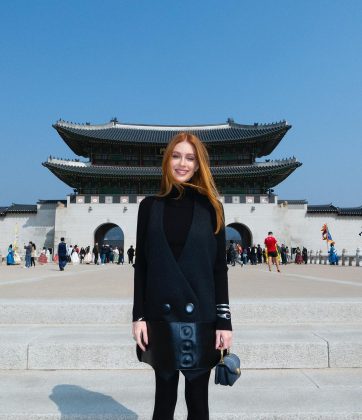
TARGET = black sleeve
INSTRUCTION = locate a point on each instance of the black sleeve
(140, 273)
(221, 278)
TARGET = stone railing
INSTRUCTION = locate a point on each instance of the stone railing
(319, 257)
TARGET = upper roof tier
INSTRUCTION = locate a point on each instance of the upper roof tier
(80, 137)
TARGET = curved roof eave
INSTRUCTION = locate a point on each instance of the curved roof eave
(160, 135)
(258, 169)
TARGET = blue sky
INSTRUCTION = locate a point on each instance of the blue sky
(184, 62)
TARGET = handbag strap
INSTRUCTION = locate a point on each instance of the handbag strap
(222, 354)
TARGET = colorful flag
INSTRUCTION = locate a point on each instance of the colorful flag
(326, 236)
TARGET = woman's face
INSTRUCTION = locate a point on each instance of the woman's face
(183, 161)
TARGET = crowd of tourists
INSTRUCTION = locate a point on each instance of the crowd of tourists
(31, 255)
(99, 255)
(271, 253)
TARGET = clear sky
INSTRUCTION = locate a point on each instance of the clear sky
(184, 62)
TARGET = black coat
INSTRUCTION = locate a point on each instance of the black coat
(180, 295)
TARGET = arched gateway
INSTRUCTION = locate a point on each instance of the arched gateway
(239, 233)
(109, 233)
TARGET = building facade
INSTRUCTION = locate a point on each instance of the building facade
(123, 164)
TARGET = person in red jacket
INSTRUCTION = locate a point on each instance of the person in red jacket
(271, 245)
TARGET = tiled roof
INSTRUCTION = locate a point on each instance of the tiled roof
(280, 201)
(19, 208)
(262, 168)
(330, 208)
(162, 133)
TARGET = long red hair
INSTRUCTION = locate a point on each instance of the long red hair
(202, 179)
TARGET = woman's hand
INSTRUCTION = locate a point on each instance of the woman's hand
(224, 339)
(139, 332)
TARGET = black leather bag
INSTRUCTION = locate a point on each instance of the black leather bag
(227, 371)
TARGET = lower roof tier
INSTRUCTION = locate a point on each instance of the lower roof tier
(259, 176)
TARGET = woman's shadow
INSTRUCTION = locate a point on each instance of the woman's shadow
(75, 401)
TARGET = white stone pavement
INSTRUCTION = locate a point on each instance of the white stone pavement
(66, 351)
(332, 394)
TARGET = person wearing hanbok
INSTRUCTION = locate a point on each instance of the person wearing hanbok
(298, 256)
(10, 257)
(115, 255)
(74, 256)
(43, 256)
(333, 256)
(88, 255)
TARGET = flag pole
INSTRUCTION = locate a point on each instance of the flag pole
(327, 238)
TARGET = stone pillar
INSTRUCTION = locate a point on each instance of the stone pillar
(350, 260)
(320, 257)
(343, 256)
(357, 257)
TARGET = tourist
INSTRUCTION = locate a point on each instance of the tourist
(88, 255)
(333, 256)
(63, 254)
(264, 256)
(271, 247)
(121, 256)
(10, 257)
(283, 254)
(231, 253)
(115, 255)
(130, 253)
(28, 248)
(32, 255)
(287, 254)
(110, 256)
(81, 255)
(259, 254)
(248, 251)
(298, 256)
(69, 253)
(96, 253)
(43, 259)
(254, 255)
(74, 255)
(103, 254)
(305, 255)
(184, 268)
(245, 256)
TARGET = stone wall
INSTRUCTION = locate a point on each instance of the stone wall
(291, 224)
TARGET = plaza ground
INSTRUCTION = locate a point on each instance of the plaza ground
(113, 281)
(66, 351)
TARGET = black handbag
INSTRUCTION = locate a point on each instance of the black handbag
(227, 371)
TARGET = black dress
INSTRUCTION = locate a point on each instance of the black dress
(180, 281)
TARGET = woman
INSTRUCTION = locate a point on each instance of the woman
(74, 256)
(10, 257)
(33, 254)
(298, 256)
(88, 255)
(181, 306)
(81, 255)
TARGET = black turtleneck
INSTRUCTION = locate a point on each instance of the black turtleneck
(180, 210)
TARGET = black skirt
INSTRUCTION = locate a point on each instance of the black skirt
(180, 346)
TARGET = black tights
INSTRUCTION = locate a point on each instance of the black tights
(196, 396)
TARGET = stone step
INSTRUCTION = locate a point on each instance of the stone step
(244, 312)
(111, 347)
(316, 394)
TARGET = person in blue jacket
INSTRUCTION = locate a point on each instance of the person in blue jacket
(62, 254)
(333, 256)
